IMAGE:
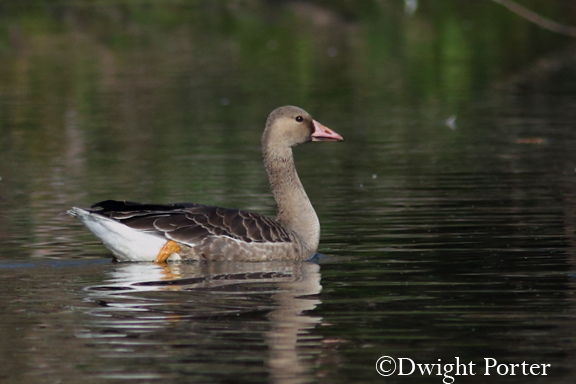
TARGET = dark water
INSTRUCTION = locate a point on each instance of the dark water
(448, 214)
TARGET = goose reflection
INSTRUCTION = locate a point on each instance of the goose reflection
(267, 303)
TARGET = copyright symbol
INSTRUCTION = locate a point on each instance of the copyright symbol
(385, 366)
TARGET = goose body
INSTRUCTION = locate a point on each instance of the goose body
(155, 232)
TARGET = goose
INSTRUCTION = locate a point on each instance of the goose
(189, 231)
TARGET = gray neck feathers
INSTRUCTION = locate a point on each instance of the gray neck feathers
(295, 212)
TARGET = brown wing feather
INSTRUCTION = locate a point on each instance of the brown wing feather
(191, 223)
(215, 219)
(188, 235)
(254, 231)
(172, 222)
(237, 227)
(142, 223)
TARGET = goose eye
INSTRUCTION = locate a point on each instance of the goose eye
(299, 119)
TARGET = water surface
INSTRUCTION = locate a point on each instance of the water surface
(448, 214)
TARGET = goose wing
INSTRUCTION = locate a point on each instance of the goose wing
(191, 223)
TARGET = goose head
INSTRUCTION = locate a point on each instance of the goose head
(290, 126)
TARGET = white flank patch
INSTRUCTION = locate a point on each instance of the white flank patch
(126, 244)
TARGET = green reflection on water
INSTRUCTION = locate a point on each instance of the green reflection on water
(166, 101)
(161, 101)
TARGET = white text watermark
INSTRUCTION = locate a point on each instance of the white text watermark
(404, 366)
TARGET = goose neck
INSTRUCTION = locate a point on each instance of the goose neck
(295, 212)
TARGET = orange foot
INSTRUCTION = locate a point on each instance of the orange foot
(169, 248)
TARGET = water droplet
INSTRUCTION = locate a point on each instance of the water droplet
(410, 6)
(451, 122)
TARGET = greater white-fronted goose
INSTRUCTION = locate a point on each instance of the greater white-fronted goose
(154, 232)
